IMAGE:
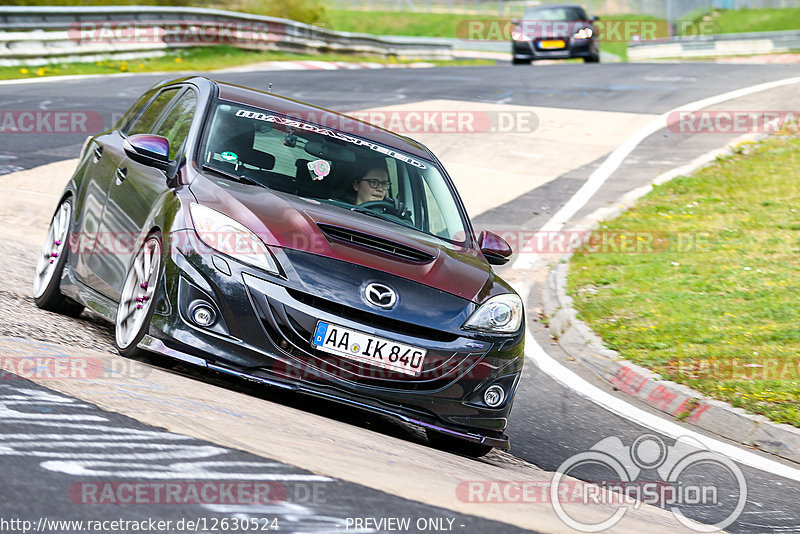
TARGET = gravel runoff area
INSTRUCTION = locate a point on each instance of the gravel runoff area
(19, 316)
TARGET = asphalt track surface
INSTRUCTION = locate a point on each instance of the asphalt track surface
(549, 423)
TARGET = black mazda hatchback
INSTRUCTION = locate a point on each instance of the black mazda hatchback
(262, 237)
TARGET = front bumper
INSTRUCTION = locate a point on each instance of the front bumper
(532, 49)
(263, 333)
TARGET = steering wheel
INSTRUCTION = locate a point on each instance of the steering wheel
(393, 207)
(378, 205)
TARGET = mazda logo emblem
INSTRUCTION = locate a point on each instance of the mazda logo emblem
(380, 295)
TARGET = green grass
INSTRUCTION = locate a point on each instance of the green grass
(748, 20)
(199, 59)
(711, 300)
(401, 23)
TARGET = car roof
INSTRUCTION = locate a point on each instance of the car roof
(321, 116)
(545, 6)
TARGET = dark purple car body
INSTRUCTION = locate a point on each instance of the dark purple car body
(209, 225)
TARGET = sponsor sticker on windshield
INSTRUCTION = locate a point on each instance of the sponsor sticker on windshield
(229, 156)
(319, 169)
(294, 123)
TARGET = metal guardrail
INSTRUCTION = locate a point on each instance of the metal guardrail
(41, 35)
(724, 44)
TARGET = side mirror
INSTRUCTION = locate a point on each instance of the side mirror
(148, 149)
(495, 248)
(595, 17)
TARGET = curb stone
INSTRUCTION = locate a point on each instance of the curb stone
(679, 401)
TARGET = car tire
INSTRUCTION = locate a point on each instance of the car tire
(517, 61)
(449, 443)
(594, 58)
(47, 278)
(135, 308)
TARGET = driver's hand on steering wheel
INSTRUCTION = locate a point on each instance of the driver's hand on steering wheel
(400, 209)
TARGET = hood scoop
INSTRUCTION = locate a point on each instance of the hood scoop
(374, 243)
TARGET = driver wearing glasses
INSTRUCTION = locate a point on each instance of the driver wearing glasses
(372, 186)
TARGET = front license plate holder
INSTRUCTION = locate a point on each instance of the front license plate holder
(366, 348)
(552, 44)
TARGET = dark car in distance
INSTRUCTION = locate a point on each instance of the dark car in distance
(224, 226)
(554, 32)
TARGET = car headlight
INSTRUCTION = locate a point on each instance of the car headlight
(499, 314)
(232, 238)
(518, 35)
(583, 33)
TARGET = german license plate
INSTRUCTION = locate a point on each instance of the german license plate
(369, 349)
(550, 45)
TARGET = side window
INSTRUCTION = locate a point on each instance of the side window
(146, 121)
(175, 126)
(135, 110)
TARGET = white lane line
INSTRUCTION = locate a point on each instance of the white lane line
(615, 159)
(660, 425)
(572, 381)
(72, 77)
(8, 190)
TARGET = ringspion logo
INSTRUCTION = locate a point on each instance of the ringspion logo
(687, 479)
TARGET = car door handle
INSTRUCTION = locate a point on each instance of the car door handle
(98, 153)
(121, 174)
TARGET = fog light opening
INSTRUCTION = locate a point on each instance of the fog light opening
(494, 396)
(203, 314)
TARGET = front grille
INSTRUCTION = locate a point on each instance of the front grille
(372, 319)
(371, 242)
(289, 331)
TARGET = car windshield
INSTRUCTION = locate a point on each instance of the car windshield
(555, 13)
(257, 146)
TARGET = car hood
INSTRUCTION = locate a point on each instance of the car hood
(307, 225)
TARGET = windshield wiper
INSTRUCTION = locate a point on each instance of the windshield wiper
(241, 178)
